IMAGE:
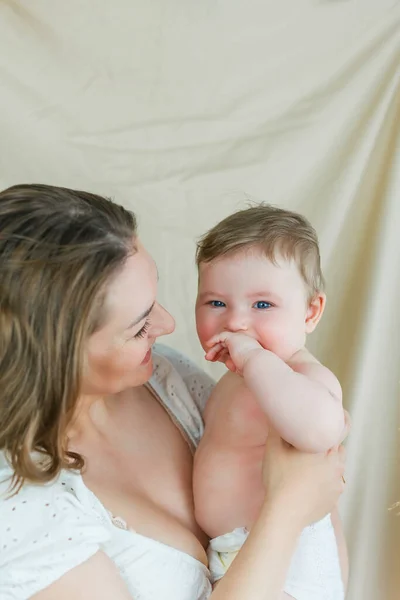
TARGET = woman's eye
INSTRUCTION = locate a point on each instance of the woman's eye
(216, 304)
(262, 304)
(142, 332)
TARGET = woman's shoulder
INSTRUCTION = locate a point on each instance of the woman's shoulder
(172, 363)
(67, 487)
(14, 499)
(183, 386)
(45, 530)
(36, 506)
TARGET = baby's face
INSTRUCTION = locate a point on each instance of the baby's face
(246, 292)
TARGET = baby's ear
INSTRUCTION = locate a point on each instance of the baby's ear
(314, 312)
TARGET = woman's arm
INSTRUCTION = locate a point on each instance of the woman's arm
(272, 539)
(301, 489)
(259, 570)
(95, 579)
(341, 545)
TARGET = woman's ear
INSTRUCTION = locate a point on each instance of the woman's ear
(314, 312)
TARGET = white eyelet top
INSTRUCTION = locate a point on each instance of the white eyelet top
(47, 530)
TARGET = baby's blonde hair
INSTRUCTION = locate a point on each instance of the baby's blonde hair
(277, 232)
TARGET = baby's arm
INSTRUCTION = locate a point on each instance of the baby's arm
(302, 399)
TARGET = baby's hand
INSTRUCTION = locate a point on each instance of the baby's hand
(232, 349)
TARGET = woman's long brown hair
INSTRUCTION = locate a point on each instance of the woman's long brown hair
(58, 250)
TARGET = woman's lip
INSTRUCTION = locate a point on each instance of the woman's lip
(147, 357)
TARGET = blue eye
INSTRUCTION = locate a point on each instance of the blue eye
(262, 304)
(216, 304)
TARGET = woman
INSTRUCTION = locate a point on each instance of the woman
(97, 428)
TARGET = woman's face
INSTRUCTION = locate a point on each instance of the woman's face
(119, 354)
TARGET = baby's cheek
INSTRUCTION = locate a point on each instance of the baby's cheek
(207, 326)
(276, 338)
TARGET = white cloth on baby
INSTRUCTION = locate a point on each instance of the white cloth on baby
(314, 573)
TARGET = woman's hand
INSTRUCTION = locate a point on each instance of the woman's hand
(308, 484)
(301, 488)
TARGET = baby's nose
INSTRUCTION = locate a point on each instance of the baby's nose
(236, 322)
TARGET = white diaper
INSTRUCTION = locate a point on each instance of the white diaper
(314, 573)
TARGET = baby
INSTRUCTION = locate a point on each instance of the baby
(260, 294)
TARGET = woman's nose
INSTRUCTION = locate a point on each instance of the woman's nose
(162, 322)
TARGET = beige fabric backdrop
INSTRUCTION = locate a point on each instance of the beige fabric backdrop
(182, 110)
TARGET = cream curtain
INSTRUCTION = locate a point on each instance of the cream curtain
(184, 110)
